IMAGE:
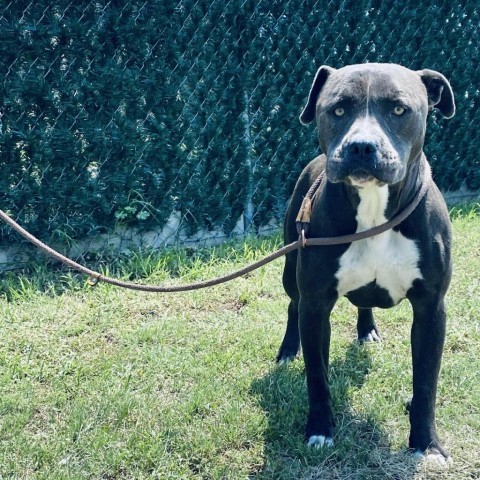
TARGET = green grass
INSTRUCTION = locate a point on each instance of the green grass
(106, 383)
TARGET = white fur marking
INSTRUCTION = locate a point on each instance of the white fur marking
(368, 92)
(320, 441)
(372, 336)
(285, 361)
(389, 258)
(436, 459)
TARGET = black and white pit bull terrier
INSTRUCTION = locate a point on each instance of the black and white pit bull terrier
(371, 122)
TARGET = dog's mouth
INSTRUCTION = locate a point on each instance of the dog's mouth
(362, 178)
(365, 162)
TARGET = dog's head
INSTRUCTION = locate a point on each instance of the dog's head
(371, 118)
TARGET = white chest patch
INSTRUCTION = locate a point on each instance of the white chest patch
(390, 259)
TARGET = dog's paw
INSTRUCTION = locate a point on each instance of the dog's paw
(371, 336)
(434, 458)
(285, 360)
(286, 355)
(320, 441)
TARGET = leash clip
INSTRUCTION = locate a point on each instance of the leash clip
(93, 280)
(303, 238)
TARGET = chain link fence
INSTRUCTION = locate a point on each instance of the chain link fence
(144, 123)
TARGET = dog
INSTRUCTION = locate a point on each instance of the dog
(371, 122)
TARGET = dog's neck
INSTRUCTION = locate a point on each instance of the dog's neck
(402, 193)
(376, 204)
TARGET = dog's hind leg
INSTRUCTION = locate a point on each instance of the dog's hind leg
(366, 328)
(291, 342)
(290, 347)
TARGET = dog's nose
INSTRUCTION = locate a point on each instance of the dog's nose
(362, 150)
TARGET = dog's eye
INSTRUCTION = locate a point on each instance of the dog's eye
(398, 110)
(339, 111)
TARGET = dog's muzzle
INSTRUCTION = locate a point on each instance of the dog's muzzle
(363, 161)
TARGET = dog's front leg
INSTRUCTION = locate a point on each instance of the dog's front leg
(314, 325)
(427, 336)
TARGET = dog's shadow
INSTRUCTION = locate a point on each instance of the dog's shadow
(362, 448)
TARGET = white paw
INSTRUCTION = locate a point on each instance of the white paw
(285, 361)
(435, 459)
(371, 337)
(319, 441)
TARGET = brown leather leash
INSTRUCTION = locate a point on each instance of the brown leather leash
(303, 221)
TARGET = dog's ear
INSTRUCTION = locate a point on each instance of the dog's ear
(439, 91)
(308, 114)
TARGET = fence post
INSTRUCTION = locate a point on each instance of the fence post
(249, 209)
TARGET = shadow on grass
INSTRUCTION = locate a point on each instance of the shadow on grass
(362, 449)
